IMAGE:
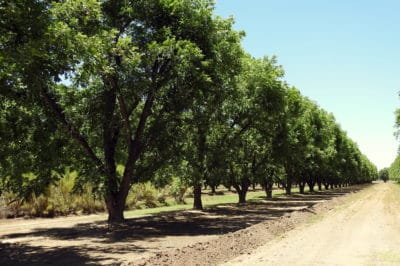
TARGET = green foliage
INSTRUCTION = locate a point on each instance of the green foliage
(178, 190)
(394, 170)
(146, 195)
(384, 174)
(57, 199)
(156, 93)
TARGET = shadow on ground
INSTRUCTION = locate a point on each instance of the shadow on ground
(213, 221)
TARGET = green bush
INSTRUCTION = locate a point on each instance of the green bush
(85, 201)
(58, 199)
(162, 196)
(178, 190)
(61, 198)
(39, 206)
(146, 195)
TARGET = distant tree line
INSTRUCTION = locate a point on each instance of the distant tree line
(157, 88)
(394, 169)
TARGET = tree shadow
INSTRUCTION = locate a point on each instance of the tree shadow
(19, 254)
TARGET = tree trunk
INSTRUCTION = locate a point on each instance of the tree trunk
(288, 187)
(197, 203)
(288, 190)
(301, 187)
(311, 186)
(319, 185)
(242, 189)
(242, 196)
(213, 189)
(115, 207)
(268, 189)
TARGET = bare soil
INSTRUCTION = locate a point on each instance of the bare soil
(364, 231)
(210, 237)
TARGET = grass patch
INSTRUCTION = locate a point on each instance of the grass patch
(208, 201)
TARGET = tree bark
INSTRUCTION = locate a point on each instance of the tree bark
(319, 185)
(200, 171)
(197, 202)
(288, 187)
(115, 207)
(213, 189)
(311, 185)
(242, 196)
(242, 189)
(301, 187)
(268, 189)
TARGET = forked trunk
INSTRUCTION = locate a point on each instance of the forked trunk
(242, 189)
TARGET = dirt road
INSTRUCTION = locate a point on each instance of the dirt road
(363, 231)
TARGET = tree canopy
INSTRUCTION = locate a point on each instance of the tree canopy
(144, 85)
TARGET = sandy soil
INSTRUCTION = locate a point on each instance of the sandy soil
(363, 231)
(211, 237)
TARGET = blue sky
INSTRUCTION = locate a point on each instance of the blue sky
(345, 55)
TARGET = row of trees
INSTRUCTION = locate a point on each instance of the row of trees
(394, 169)
(155, 88)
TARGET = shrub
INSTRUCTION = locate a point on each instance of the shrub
(162, 196)
(178, 189)
(10, 205)
(146, 195)
(86, 202)
(39, 206)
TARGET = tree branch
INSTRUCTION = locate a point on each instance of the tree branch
(71, 130)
